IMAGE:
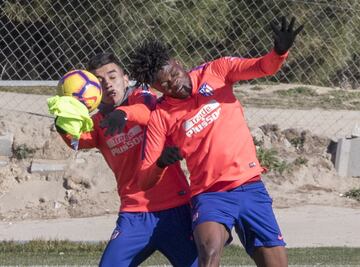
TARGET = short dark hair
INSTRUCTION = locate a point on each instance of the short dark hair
(102, 59)
(147, 59)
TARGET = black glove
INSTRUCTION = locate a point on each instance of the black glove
(284, 37)
(114, 122)
(169, 155)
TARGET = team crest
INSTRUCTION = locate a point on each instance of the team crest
(206, 90)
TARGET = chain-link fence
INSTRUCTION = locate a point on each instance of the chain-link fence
(43, 39)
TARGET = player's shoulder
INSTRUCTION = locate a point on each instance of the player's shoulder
(161, 118)
(140, 93)
(225, 60)
(161, 109)
(199, 68)
(161, 105)
(221, 66)
(213, 64)
(135, 88)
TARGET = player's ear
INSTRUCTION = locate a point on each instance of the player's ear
(178, 62)
(126, 80)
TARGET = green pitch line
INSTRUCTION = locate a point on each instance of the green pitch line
(66, 253)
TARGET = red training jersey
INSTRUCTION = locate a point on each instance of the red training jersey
(209, 126)
(122, 153)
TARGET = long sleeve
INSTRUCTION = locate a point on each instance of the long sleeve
(236, 69)
(154, 142)
(87, 140)
(141, 102)
(138, 113)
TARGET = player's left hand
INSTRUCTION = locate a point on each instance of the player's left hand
(169, 155)
(284, 37)
(114, 122)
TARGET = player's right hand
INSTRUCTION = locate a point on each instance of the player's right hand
(114, 122)
(169, 155)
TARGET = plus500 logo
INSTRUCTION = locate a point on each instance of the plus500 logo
(209, 113)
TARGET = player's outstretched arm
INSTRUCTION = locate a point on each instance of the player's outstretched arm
(237, 69)
(251, 68)
(285, 35)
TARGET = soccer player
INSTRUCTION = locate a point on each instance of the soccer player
(158, 219)
(205, 123)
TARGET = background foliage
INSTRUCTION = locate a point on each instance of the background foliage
(42, 39)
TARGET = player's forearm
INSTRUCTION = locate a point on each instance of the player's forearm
(252, 68)
(87, 140)
(138, 113)
(271, 63)
(84, 143)
(266, 65)
(149, 177)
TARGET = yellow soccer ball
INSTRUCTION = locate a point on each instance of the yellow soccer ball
(82, 85)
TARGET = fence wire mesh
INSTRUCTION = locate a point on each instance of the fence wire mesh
(43, 39)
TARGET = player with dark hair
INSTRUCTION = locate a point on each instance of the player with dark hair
(158, 219)
(205, 122)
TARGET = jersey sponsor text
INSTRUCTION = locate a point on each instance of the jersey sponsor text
(206, 115)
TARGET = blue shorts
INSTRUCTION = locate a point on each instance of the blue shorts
(138, 234)
(248, 208)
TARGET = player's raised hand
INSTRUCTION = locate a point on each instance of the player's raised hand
(114, 122)
(284, 36)
(169, 155)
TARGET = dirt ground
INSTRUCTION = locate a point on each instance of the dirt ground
(303, 173)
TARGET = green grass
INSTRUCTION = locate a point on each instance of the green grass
(300, 161)
(353, 193)
(257, 88)
(53, 253)
(300, 97)
(297, 91)
(269, 158)
(50, 253)
(23, 151)
(36, 90)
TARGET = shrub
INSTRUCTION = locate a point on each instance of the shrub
(23, 151)
(353, 193)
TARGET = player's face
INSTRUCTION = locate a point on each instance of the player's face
(113, 82)
(172, 80)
